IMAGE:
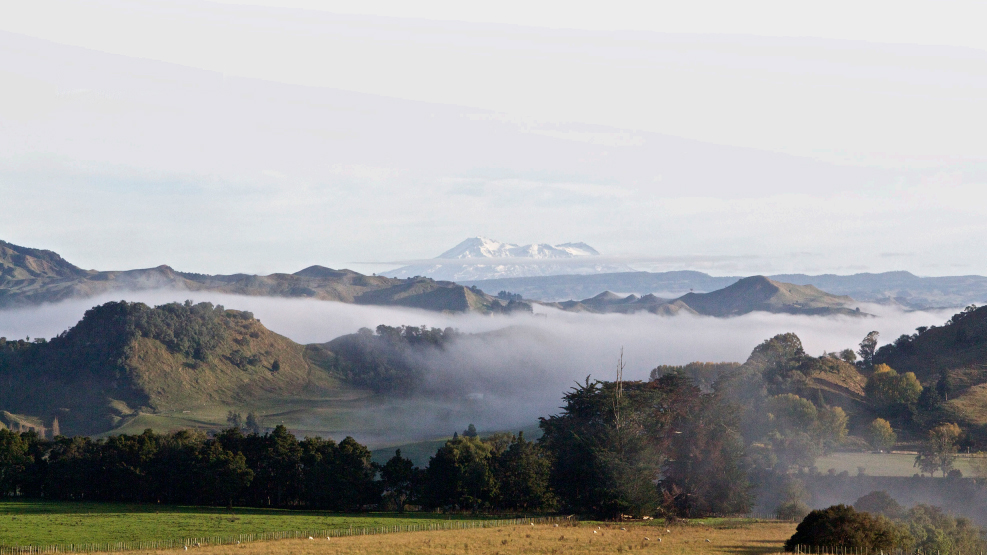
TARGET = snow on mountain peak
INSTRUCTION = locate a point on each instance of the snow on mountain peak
(480, 258)
(481, 247)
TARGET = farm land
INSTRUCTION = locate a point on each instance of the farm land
(742, 537)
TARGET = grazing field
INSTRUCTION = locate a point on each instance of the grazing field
(733, 537)
(879, 464)
(25, 523)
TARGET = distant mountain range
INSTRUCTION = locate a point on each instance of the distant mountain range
(756, 293)
(902, 288)
(480, 258)
(31, 276)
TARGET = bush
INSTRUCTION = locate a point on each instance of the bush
(842, 526)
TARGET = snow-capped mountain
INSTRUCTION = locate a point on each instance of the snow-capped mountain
(481, 258)
(481, 247)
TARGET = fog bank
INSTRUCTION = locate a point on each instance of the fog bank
(512, 369)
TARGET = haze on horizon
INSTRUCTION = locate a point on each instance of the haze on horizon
(227, 137)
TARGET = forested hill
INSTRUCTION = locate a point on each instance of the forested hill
(961, 343)
(123, 358)
(31, 276)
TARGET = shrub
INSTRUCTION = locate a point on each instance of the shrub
(842, 526)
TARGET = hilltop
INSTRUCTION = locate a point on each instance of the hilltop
(752, 294)
(32, 276)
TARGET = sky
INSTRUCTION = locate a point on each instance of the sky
(762, 137)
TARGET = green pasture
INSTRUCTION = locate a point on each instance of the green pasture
(46, 523)
(879, 464)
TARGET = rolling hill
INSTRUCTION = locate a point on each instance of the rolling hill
(31, 276)
(900, 288)
(753, 294)
(126, 359)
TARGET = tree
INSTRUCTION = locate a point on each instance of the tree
(459, 475)
(227, 476)
(840, 526)
(14, 461)
(848, 356)
(879, 503)
(234, 420)
(831, 427)
(401, 479)
(934, 531)
(794, 501)
(867, 348)
(939, 450)
(470, 431)
(780, 361)
(252, 424)
(880, 435)
(522, 472)
(894, 394)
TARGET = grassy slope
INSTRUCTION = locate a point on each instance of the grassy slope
(47, 523)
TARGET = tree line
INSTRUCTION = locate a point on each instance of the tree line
(616, 448)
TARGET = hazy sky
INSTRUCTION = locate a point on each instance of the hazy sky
(764, 136)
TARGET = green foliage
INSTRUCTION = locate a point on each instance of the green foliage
(14, 461)
(522, 472)
(632, 447)
(460, 475)
(934, 531)
(841, 526)
(880, 435)
(939, 350)
(401, 481)
(781, 360)
(703, 374)
(892, 393)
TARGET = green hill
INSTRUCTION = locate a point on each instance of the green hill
(124, 360)
(951, 362)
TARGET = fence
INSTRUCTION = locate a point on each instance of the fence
(268, 536)
(837, 550)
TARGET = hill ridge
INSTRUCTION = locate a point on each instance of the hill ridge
(32, 276)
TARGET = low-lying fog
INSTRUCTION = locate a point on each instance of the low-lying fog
(509, 377)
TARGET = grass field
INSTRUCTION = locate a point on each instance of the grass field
(879, 464)
(733, 537)
(46, 523)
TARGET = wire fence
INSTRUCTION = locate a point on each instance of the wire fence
(841, 550)
(323, 535)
